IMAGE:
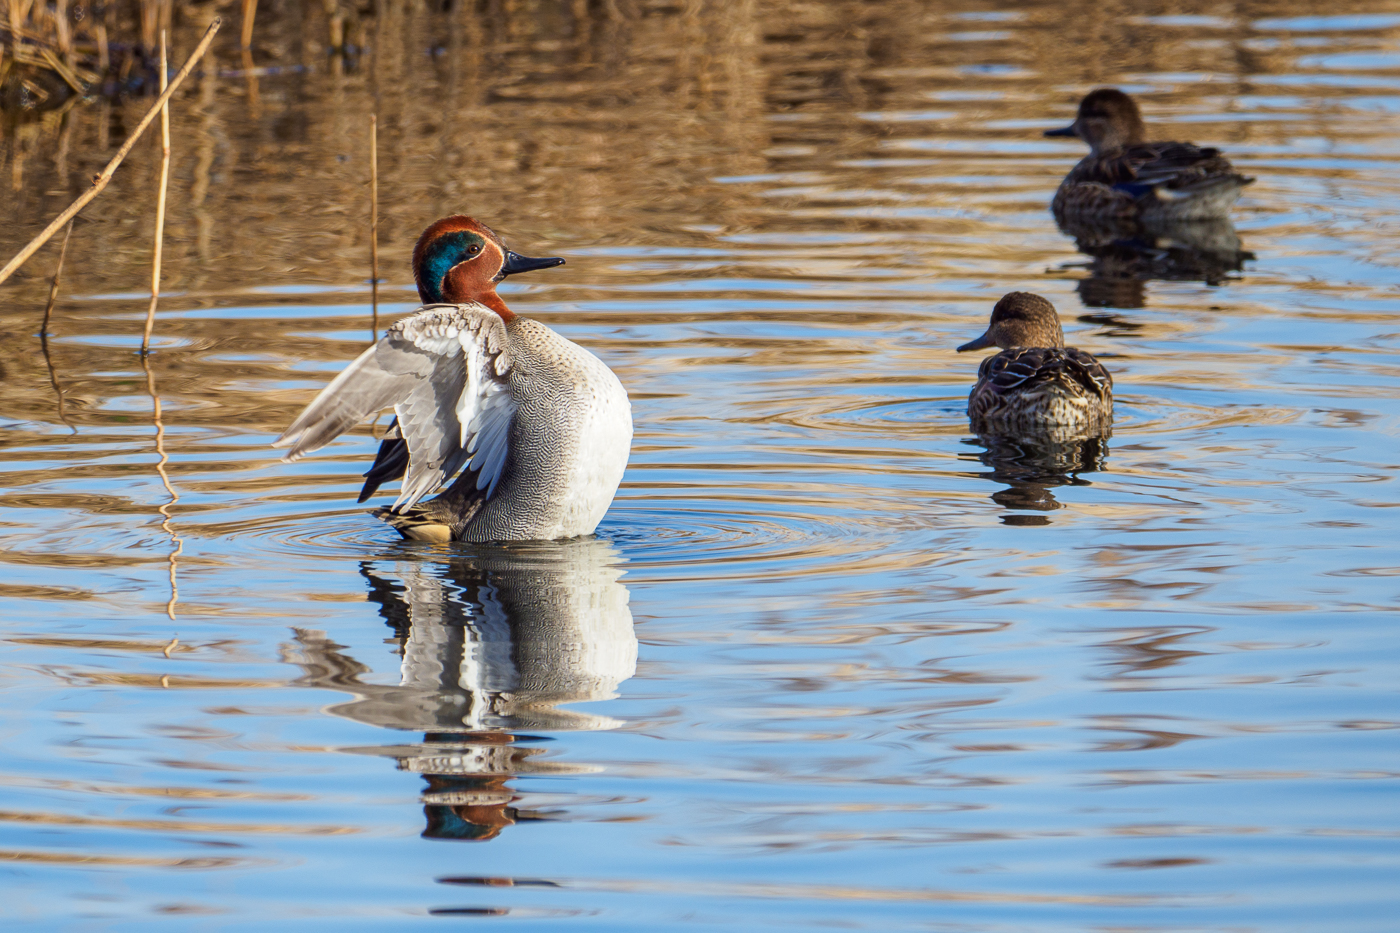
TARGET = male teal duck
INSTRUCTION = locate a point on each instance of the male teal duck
(1035, 382)
(539, 427)
(1124, 176)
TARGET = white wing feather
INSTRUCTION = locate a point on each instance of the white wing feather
(444, 370)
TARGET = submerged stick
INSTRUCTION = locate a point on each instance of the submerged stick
(374, 225)
(164, 510)
(53, 287)
(53, 381)
(160, 205)
(44, 328)
(105, 176)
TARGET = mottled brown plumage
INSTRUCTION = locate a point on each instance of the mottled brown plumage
(1036, 381)
(1125, 176)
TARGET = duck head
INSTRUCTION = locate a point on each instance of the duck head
(459, 260)
(1020, 319)
(1107, 119)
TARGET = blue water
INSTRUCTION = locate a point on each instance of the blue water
(830, 663)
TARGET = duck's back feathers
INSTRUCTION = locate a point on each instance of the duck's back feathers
(1041, 385)
(1151, 179)
(1169, 163)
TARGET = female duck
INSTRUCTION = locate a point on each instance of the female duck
(1124, 176)
(539, 427)
(1035, 381)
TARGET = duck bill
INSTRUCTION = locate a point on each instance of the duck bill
(981, 343)
(1063, 131)
(516, 264)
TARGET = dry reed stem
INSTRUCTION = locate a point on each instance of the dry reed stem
(53, 286)
(374, 225)
(44, 328)
(250, 12)
(100, 182)
(250, 73)
(150, 16)
(160, 205)
(62, 70)
(250, 76)
(155, 16)
(19, 12)
(62, 33)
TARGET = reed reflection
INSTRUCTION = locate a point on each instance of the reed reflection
(492, 642)
(1127, 254)
(1031, 465)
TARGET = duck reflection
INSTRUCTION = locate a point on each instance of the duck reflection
(492, 642)
(1126, 254)
(1031, 465)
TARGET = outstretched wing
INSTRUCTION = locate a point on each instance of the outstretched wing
(444, 371)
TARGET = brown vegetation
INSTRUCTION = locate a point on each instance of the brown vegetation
(580, 122)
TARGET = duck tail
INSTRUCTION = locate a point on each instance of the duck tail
(1211, 188)
(415, 525)
(1206, 189)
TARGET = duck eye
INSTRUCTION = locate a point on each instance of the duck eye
(473, 250)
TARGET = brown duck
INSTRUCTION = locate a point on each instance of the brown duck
(1036, 382)
(1125, 176)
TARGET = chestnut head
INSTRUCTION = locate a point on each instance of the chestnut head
(460, 260)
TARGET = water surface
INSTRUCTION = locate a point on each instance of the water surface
(833, 661)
